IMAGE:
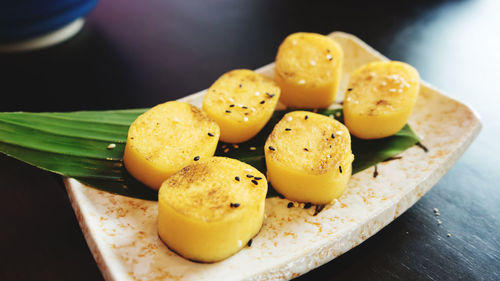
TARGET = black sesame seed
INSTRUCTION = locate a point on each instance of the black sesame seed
(196, 158)
(350, 89)
(333, 135)
(255, 182)
(270, 95)
(244, 107)
(306, 117)
(210, 134)
(318, 209)
(290, 204)
(246, 113)
(288, 129)
(234, 205)
(272, 148)
(340, 169)
(228, 111)
(249, 244)
(241, 85)
(307, 205)
(249, 176)
(262, 101)
(257, 178)
(306, 149)
(237, 178)
(232, 105)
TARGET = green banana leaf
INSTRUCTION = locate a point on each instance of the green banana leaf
(75, 144)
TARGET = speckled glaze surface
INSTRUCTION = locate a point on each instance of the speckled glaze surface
(122, 235)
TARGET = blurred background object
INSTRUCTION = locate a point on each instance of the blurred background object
(33, 24)
(133, 54)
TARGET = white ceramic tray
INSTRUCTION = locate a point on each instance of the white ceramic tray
(122, 235)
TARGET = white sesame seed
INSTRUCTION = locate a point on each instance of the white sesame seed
(248, 170)
(329, 57)
(400, 91)
(392, 90)
(176, 119)
(383, 83)
(289, 118)
(436, 210)
(331, 116)
(294, 42)
(240, 105)
(252, 109)
(231, 99)
(339, 133)
(337, 114)
(313, 63)
(328, 156)
(393, 77)
(302, 81)
(253, 148)
(449, 234)
(245, 119)
(240, 243)
(111, 146)
(257, 93)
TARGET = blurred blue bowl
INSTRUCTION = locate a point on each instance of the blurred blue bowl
(24, 19)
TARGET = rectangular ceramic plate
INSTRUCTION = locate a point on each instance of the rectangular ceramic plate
(122, 235)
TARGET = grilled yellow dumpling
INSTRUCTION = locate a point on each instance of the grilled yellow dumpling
(308, 69)
(167, 138)
(308, 157)
(241, 102)
(380, 98)
(211, 209)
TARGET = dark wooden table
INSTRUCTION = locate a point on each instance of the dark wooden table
(140, 53)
